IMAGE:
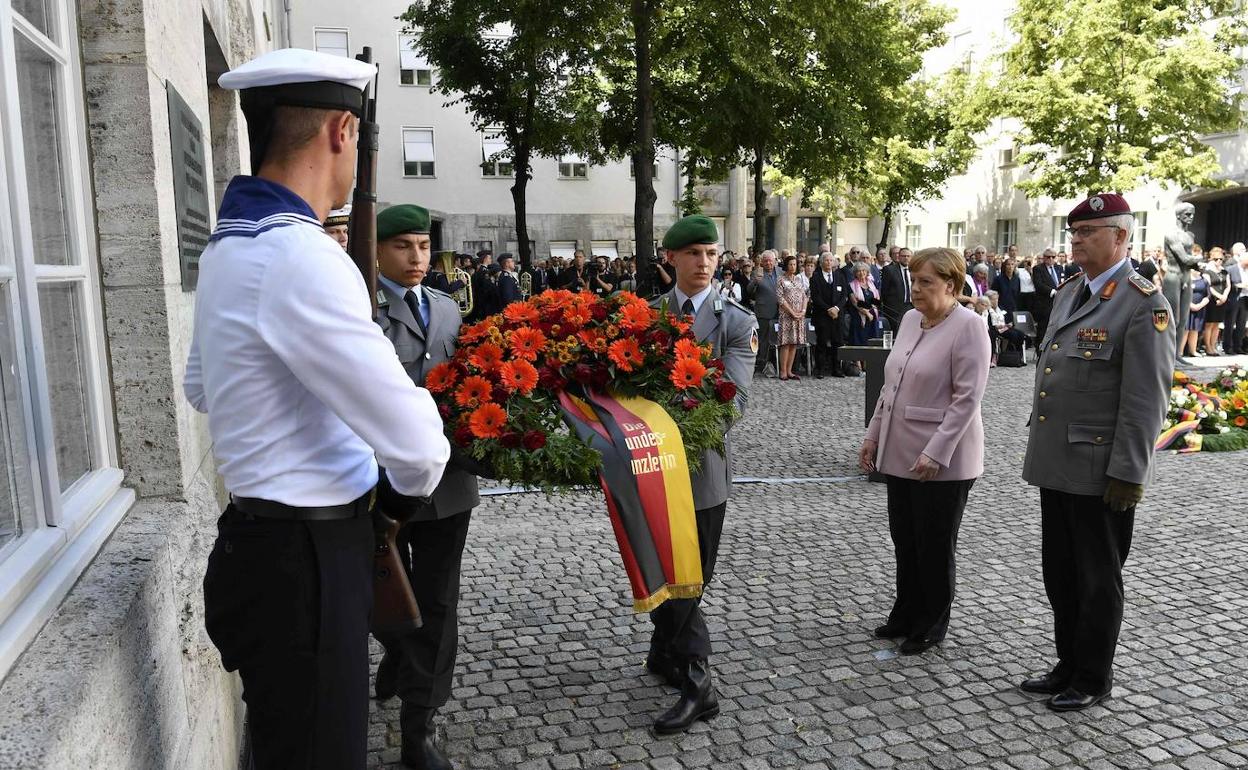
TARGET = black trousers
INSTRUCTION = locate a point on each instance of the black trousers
(923, 519)
(287, 604)
(432, 552)
(766, 342)
(827, 342)
(680, 630)
(1235, 326)
(1084, 546)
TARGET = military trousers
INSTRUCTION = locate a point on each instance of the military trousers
(432, 552)
(923, 520)
(680, 631)
(1084, 547)
(287, 604)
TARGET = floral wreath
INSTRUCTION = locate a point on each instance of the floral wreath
(499, 394)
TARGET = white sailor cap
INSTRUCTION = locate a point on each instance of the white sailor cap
(340, 216)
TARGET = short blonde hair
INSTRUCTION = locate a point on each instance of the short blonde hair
(947, 263)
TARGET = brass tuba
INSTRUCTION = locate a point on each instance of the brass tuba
(453, 273)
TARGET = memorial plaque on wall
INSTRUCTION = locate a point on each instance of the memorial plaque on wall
(190, 185)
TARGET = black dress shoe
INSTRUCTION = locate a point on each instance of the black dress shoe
(419, 751)
(888, 632)
(1044, 685)
(916, 646)
(819, 375)
(386, 686)
(697, 701)
(1071, 699)
(666, 669)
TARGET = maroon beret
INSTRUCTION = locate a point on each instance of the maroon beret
(1099, 206)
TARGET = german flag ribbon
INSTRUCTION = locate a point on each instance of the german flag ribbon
(645, 478)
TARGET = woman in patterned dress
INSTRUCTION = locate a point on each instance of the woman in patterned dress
(792, 297)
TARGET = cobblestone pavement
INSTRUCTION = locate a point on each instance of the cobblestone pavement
(550, 665)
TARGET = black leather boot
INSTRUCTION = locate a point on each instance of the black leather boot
(386, 685)
(697, 701)
(666, 668)
(419, 750)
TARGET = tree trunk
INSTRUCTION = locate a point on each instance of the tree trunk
(888, 225)
(643, 150)
(520, 203)
(760, 202)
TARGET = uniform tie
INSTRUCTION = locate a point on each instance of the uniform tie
(687, 308)
(417, 308)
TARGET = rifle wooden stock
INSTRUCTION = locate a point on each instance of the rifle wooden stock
(394, 605)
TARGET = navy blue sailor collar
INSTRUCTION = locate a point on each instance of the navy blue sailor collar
(253, 205)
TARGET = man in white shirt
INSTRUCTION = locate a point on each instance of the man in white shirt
(289, 366)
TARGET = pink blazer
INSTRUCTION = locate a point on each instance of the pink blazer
(934, 381)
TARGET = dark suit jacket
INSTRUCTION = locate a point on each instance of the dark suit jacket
(824, 296)
(762, 295)
(1008, 289)
(541, 280)
(1072, 269)
(1044, 286)
(568, 279)
(893, 294)
(436, 279)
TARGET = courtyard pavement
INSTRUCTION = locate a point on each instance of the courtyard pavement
(550, 666)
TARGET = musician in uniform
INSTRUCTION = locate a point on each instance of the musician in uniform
(1102, 388)
(681, 644)
(287, 363)
(336, 225)
(508, 282)
(423, 325)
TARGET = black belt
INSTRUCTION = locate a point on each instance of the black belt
(255, 507)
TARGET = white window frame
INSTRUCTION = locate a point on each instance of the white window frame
(67, 528)
(433, 142)
(914, 237)
(569, 163)
(608, 249)
(403, 38)
(1139, 237)
(492, 169)
(632, 169)
(1008, 156)
(955, 240)
(1061, 238)
(563, 249)
(345, 31)
(1007, 234)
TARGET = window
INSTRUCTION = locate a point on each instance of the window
(1060, 241)
(494, 159)
(414, 68)
(573, 167)
(608, 249)
(472, 247)
(60, 492)
(1008, 156)
(418, 152)
(955, 235)
(721, 224)
(332, 41)
(632, 169)
(562, 249)
(914, 236)
(1007, 234)
(809, 234)
(963, 45)
(1140, 238)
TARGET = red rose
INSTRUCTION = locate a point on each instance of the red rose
(463, 435)
(510, 440)
(548, 379)
(717, 364)
(725, 390)
(660, 339)
(583, 373)
(690, 403)
(534, 440)
(599, 312)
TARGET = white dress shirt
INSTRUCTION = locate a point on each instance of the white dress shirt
(300, 385)
(698, 299)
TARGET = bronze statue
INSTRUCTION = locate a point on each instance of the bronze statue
(1177, 284)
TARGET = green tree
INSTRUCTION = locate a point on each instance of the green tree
(1112, 94)
(523, 70)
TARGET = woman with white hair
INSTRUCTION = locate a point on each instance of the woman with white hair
(864, 298)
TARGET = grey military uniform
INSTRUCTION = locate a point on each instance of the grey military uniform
(731, 330)
(419, 351)
(1102, 386)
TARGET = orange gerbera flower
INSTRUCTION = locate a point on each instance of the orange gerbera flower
(518, 376)
(474, 332)
(577, 316)
(521, 313)
(687, 348)
(526, 342)
(636, 317)
(688, 373)
(488, 421)
(486, 357)
(441, 378)
(474, 390)
(625, 354)
(593, 339)
(1240, 421)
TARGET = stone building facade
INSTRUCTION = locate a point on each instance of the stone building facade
(116, 147)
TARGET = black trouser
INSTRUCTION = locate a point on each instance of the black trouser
(923, 519)
(287, 604)
(1084, 547)
(432, 551)
(680, 631)
(766, 342)
(827, 342)
(1041, 316)
(1235, 326)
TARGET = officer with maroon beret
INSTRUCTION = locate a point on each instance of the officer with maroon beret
(1102, 386)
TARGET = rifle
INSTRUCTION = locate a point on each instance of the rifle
(394, 605)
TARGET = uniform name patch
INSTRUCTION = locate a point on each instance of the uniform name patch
(1161, 319)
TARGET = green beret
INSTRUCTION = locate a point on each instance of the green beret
(404, 218)
(694, 228)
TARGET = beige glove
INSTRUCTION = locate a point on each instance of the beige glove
(1121, 495)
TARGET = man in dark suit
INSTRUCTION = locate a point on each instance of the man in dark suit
(539, 276)
(423, 324)
(828, 294)
(484, 290)
(762, 295)
(573, 276)
(1047, 276)
(895, 289)
(508, 282)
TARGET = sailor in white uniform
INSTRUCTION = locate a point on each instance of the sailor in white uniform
(288, 364)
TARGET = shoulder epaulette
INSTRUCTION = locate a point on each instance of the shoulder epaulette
(732, 301)
(1069, 278)
(435, 292)
(1146, 287)
(383, 299)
